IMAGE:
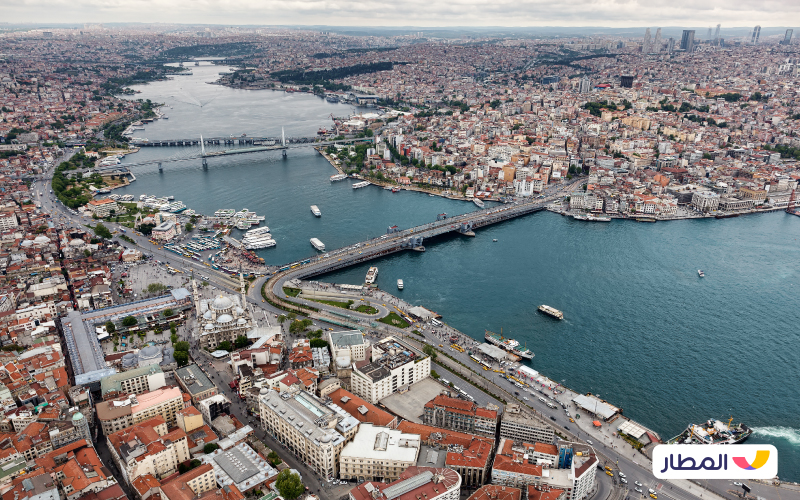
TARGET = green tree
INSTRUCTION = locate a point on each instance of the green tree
(318, 343)
(156, 288)
(225, 346)
(429, 350)
(189, 227)
(168, 313)
(434, 374)
(282, 319)
(181, 358)
(181, 346)
(241, 341)
(102, 231)
(210, 447)
(288, 485)
(129, 321)
(110, 327)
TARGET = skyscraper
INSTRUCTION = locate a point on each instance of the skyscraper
(756, 34)
(586, 85)
(716, 35)
(787, 38)
(687, 40)
(626, 81)
(646, 42)
(657, 42)
(670, 45)
(708, 35)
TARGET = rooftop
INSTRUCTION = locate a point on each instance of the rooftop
(373, 442)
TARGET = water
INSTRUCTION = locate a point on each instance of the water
(641, 328)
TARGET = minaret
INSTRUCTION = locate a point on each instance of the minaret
(195, 295)
(241, 287)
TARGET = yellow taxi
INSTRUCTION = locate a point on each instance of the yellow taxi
(440, 345)
(653, 495)
(609, 473)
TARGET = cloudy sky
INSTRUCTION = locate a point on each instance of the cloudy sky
(612, 13)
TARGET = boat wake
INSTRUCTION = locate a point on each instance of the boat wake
(787, 433)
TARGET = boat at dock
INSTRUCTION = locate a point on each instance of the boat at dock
(395, 189)
(256, 232)
(338, 177)
(478, 202)
(372, 274)
(361, 184)
(318, 244)
(508, 344)
(592, 218)
(258, 242)
(399, 284)
(713, 432)
(551, 311)
(315, 211)
(645, 219)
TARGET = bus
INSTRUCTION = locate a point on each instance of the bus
(122, 230)
(284, 268)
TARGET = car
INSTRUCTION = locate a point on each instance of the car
(608, 468)
(572, 420)
(621, 474)
(737, 484)
(588, 440)
(566, 427)
(653, 496)
(638, 490)
(623, 480)
(515, 392)
(552, 418)
(609, 473)
(637, 483)
(525, 398)
(651, 491)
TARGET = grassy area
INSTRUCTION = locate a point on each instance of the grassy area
(363, 308)
(416, 332)
(394, 319)
(343, 305)
(291, 292)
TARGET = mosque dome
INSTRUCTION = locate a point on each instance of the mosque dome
(241, 321)
(207, 314)
(225, 318)
(221, 303)
(209, 326)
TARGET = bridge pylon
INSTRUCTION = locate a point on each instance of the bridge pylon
(283, 142)
(202, 146)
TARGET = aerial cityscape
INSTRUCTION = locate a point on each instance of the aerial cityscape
(360, 261)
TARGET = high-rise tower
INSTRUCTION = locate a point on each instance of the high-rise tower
(787, 38)
(756, 34)
(716, 35)
(657, 42)
(687, 40)
(646, 42)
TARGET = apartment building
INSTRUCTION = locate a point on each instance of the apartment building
(378, 454)
(148, 448)
(394, 367)
(214, 406)
(136, 381)
(348, 345)
(118, 414)
(195, 383)
(430, 483)
(314, 430)
(460, 415)
(525, 428)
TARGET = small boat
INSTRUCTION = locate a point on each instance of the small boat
(494, 240)
(701, 273)
(551, 311)
(399, 284)
(338, 177)
(395, 190)
(478, 202)
(316, 211)
(431, 195)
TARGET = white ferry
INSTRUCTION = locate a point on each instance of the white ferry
(258, 242)
(255, 232)
(399, 284)
(551, 311)
(478, 202)
(315, 210)
(318, 244)
(359, 185)
(338, 177)
(372, 274)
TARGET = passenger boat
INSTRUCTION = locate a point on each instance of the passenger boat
(258, 242)
(338, 177)
(478, 202)
(701, 273)
(362, 184)
(508, 344)
(372, 274)
(315, 211)
(713, 432)
(551, 311)
(256, 232)
(318, 244)
(399, 284)
(395, 189)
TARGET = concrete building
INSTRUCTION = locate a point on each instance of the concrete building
(165, 231)
(117, 414)
(314, 430)
(429, 483)
(525, 428)
(241, 467)
(361, 410)
(460, 415)
(378, 454)
(394, 367)
(135, 381)
(214, 406)
(148, 448)
(195, 382)
(348, 346)
(705, 201)
(497, 492)
(103, 208)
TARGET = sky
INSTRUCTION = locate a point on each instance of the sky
(442, 13)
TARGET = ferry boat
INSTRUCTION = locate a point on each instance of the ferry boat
(478, 202)
(332, 98)
(318, 244)
(338, 177)
(372, 274)
(315, 211)
(359, 185)
(592, 218)
(701, 273)
(509, 345)
(258, 242)
(399, 284)
(713, 432)
(551, 311)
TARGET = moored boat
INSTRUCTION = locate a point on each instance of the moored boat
(713, 432)
(478, 202)
(318, 244)
(508, 344)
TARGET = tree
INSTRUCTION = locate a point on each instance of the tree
(288, 485)
(318, 343)
(156, 287)
(102, 231)
(181, 346)
(189, 227)
(282, 319)
(292, 316)
(129, 321)
(110, 327)
(429, 350)
(241, 341)
(307, 323)
(181, 358)
(168, 313)
(225, 346)
(210, 447)
(434, 374)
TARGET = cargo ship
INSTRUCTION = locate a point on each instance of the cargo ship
(551, 311)
(509, 345)
(713, 432)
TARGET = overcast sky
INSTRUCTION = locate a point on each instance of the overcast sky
(613, 13)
